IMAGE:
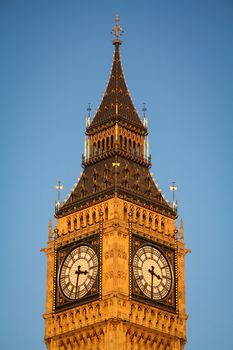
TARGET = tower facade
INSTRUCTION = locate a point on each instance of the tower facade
(115, 271)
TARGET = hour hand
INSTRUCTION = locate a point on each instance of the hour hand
(153, 272)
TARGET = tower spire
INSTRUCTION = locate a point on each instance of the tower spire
(116, 104)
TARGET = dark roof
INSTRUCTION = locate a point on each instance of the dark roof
(117, 104)
(131, 180)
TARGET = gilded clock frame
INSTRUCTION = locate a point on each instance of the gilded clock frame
(61, 301)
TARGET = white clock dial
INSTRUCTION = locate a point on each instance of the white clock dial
(78, 272)
(152, 272)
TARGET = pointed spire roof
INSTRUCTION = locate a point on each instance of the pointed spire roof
(116, 104)
(115, 170)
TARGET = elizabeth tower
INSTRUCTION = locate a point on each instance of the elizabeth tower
(115, 258)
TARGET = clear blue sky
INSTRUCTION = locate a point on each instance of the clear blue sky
(55, 58)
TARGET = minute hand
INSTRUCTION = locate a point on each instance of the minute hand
(79, 272)
(155, 274)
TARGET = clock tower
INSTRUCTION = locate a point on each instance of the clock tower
(115, 258)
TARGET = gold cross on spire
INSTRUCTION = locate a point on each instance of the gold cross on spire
(117, 30)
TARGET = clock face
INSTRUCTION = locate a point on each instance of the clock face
(152, 272)
(78, 272)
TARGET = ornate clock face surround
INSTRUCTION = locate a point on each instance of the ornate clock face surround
(77, 273)
(153, 273)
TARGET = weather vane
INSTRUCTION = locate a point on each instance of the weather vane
(117, 30)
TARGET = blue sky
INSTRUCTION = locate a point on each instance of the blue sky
(55, 58)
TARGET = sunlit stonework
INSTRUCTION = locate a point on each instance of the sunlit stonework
(115, 270)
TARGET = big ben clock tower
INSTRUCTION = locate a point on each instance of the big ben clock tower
(115, 271)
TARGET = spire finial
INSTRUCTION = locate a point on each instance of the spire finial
(88, 119)
(173, 188)
(117, 30)
(144, 109)
(59, 187)
(89, 108)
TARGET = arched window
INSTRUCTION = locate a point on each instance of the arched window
(112, 141)
(94, 149)
(130, 145)
(138, 150)
(121, 141)
(98, 147)
(150, 220)
(94, 216)
(134, 148)
(106, 213)
(125, 142)
(144, 217)
(162, 226)
(81, 220)
(75, 223)
(103, 143)
(107, 144)
(156, 223)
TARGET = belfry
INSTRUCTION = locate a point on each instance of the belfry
(115, 258)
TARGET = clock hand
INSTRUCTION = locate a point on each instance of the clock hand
(76, 289)
(159, 278)
(152, 283)
(79, 272)
(153, 272)
(152, 279)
